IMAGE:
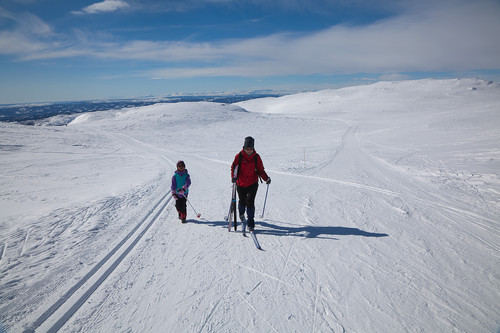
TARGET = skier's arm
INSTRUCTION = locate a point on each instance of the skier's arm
(188, 181)
(260, 170)
(173, 186)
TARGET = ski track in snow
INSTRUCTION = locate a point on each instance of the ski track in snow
(78, 288)
(349, 136)
(360, 237)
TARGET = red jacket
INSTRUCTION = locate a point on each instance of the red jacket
(248, 170)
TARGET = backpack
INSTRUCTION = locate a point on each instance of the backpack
(255, 157)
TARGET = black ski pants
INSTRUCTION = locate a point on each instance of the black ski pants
(246, 202)
(180, 205)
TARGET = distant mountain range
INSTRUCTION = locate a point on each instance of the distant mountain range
(28, 114)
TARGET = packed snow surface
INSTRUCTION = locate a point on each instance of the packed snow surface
(382, 216)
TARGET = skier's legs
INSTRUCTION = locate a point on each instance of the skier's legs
(250, 195)
(242, 195)
(246, 202)
(184, 207)
(181, 206)
(250, 200)
(250, 220)
(241, 209)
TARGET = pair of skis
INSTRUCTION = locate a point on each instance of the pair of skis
(231, 216)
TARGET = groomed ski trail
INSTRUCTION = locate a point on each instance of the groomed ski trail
(61, 311)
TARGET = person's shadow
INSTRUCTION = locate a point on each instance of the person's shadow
(320, 232)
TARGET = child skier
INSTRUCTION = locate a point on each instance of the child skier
(180, 188)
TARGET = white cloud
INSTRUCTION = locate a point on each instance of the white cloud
(13, 43)
(35, 25)
(442, 38)
(271, 6)
(27, 23)
(28, 35)
(102, 7)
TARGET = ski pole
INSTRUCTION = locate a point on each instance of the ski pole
(197, 215)
(265, 200)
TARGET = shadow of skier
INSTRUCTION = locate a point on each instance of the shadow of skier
(320, 232)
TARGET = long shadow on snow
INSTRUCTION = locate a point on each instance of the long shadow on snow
(302, 231)
(313, 231)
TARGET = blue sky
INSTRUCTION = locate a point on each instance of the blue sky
(63, 50)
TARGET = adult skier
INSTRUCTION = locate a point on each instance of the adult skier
(250, 168)
(180, 188)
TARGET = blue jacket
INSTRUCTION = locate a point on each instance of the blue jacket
(180, 182)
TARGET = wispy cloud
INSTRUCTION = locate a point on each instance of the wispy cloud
(28, 35)
(438, 38)
(442, 39)
(27, 23)
(317, 6)
(103, 7)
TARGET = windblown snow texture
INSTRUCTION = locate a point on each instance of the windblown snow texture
(383, 215)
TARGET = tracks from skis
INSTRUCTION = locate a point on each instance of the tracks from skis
(61, 311)
(255, 241)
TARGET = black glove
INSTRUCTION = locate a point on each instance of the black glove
(268, 181)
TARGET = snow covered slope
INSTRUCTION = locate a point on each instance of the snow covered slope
(382, 216)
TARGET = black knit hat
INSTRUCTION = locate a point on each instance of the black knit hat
(249, 142)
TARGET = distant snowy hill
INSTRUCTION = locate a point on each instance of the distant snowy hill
(383, 215)
(59, 113)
